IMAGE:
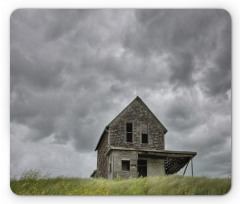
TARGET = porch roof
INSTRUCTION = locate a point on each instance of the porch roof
(174, 160)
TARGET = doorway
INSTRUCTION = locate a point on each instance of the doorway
(142, 168)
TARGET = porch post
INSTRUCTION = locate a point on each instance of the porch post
(192, 166)
(185, 168)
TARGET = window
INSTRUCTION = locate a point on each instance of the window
(144, 138)
(125, 165)
(110, 167)
(144, 131)
(129, 132)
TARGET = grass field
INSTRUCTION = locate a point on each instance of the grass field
(33, 183)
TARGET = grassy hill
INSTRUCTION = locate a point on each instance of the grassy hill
(34, 184)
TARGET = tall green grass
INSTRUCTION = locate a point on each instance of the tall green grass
(33, 183)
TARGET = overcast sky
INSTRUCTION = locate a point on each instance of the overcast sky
(73, 71)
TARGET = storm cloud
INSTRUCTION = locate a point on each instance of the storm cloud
(72, 71)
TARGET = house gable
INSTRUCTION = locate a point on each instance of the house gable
(141, 120)
(133, 107)
(144, 106)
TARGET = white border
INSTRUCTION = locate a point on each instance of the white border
(6, 196)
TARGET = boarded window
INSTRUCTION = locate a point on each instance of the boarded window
(129, 132)
(144, 131)
(144, 128)
(133, 166)
(125, 165)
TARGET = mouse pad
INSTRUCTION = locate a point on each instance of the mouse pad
(120, 102)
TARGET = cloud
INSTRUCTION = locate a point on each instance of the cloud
(73, 71)
(48, 157)
(182, 67)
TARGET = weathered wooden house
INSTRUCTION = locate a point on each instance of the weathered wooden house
(132, 144)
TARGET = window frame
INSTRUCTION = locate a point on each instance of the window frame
(124, 160)
(126, 132)
(142, 139)
(144, 133)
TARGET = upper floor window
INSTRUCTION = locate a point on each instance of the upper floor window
(129, 132)
(144, 138)
(144, 132)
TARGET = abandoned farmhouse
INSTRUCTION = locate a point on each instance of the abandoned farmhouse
(133, 144)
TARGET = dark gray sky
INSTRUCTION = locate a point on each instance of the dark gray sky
(73, 71)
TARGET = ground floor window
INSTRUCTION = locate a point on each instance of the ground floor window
(125, 165)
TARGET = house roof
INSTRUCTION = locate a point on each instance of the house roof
(101, 137)
(174, 160)
(139, 99)
(162, 153)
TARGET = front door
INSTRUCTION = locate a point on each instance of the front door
(142, 168)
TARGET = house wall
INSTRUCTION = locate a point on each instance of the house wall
(136, 113)
(110, 162)
(102, 159)
(117, 157)
(155, 166)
